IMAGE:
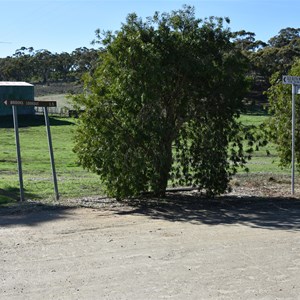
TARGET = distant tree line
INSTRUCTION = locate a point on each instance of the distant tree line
(43, 66)
(276, 56)
(264, 59)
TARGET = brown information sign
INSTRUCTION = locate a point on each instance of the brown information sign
(30, 103)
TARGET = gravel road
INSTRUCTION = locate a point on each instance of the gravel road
(228, 248)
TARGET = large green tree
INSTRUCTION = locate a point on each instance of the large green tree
(162, 104)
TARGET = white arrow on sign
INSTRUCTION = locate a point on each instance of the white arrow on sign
(286, 79)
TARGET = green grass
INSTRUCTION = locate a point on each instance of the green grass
(261, 161)
(253, 119)
(73, 181)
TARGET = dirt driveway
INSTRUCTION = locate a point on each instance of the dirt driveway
(186, 248)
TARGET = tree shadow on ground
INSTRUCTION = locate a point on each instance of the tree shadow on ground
(257, 212)
(13, 212)
(32, 121)
(31, 214)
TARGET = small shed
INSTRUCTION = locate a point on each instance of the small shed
(15, 90)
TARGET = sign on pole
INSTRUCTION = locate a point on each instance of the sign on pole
(295, 82)
(45, 105)
(286, 79)
(30, 103)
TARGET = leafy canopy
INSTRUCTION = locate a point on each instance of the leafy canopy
(162, 105)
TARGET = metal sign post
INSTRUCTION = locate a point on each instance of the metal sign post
(45, 105)
(51, 152)
(295, 82)
(293, 141)
(19, 161)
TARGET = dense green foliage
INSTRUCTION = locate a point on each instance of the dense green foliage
(280, 124)
(162, 104)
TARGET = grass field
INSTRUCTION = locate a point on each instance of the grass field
(262, 162)
(73, 181)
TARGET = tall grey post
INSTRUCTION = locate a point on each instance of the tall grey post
(295, 82)
(293, 140)
(51, 153)
(19, 161)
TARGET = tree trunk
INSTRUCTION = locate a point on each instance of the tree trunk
(164, 167)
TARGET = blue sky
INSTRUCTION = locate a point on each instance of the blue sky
(63, 25)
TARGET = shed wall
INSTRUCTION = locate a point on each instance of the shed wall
(15, 91)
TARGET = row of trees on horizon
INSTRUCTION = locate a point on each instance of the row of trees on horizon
(43, 66)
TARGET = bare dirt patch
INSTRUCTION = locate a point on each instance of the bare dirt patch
(239, 246)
